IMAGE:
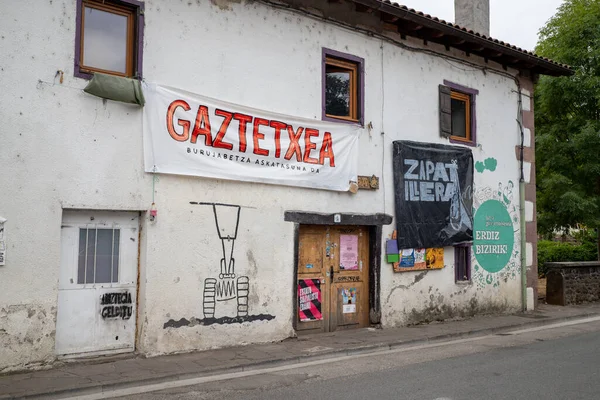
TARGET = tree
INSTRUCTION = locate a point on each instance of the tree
(337, 92)
(567, 118)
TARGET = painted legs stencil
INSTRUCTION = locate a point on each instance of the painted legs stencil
(226, 286)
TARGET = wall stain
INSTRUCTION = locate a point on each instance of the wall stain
(220, 321)
(417, 279)
(253, 268)
(436, 310)
(225, 5)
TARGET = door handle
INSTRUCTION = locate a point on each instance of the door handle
(331, 273)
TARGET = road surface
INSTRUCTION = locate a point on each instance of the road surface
(555, 362)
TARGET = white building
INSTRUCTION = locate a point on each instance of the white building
(235, 252)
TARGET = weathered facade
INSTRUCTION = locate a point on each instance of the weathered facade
(73, 175)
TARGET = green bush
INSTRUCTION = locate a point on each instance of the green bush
(550, 251)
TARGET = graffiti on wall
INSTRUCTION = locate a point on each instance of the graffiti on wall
(116, 305)
(227, 287)
(495, 257)
(489, 163)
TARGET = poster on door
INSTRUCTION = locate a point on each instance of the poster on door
(309, 300)
(349, 300)
(349, 252)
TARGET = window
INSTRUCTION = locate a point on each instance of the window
(109, 38)
(462, 263)
(342, 87)
(98, 260)
(457, 113)
(461, 124)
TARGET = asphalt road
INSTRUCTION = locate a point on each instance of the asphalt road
(558, 363)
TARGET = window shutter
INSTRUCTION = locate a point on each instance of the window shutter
(445, 112)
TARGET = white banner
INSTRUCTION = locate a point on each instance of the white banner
(188, 134)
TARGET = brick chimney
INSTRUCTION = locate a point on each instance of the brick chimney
(473, 14)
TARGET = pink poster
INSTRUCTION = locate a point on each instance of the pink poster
(348, 252)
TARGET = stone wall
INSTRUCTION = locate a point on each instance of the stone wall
(573, 282)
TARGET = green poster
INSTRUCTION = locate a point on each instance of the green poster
(493, 236)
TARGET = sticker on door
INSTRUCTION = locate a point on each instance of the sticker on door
(349, 300)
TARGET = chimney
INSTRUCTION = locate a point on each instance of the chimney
(473, 14)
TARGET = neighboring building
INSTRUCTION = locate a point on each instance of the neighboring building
(146, 229)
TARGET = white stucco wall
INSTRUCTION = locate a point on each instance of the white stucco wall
(62, 148)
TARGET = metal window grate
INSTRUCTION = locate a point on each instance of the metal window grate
(98, 260)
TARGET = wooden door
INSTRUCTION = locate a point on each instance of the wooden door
(333, 278)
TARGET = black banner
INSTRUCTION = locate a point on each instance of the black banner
(433, 189)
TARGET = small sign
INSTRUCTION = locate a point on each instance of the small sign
(349, 308)
(407, 258)
(368, 182)
(309, 266)
(420, 258)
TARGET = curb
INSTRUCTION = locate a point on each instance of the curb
(99, 388)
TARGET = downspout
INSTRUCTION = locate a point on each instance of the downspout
(522, 203)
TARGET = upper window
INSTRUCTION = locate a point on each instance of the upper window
(457, 113)
(108, 38)
(461, 119)
(342, 87)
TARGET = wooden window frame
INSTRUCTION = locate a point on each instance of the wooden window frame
(355, 65)
(134, 11)
(447, 92)
(465, 98)
(352, 68)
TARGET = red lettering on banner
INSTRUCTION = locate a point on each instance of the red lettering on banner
(278, 126)
(256, 136)
(223, 130)
(243, 119)
(308, 145)
(294, 147)
(184, 123)
(202, 126)
(327, 150)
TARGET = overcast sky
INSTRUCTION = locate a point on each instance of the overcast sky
(514, 21)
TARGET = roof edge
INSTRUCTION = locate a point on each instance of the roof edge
(452, 35)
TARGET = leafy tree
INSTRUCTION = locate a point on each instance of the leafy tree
(337, 90)
(567, 118)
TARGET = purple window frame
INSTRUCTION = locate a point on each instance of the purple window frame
(467, 248)
(139, 37)
(473, 95)
(361, 84)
